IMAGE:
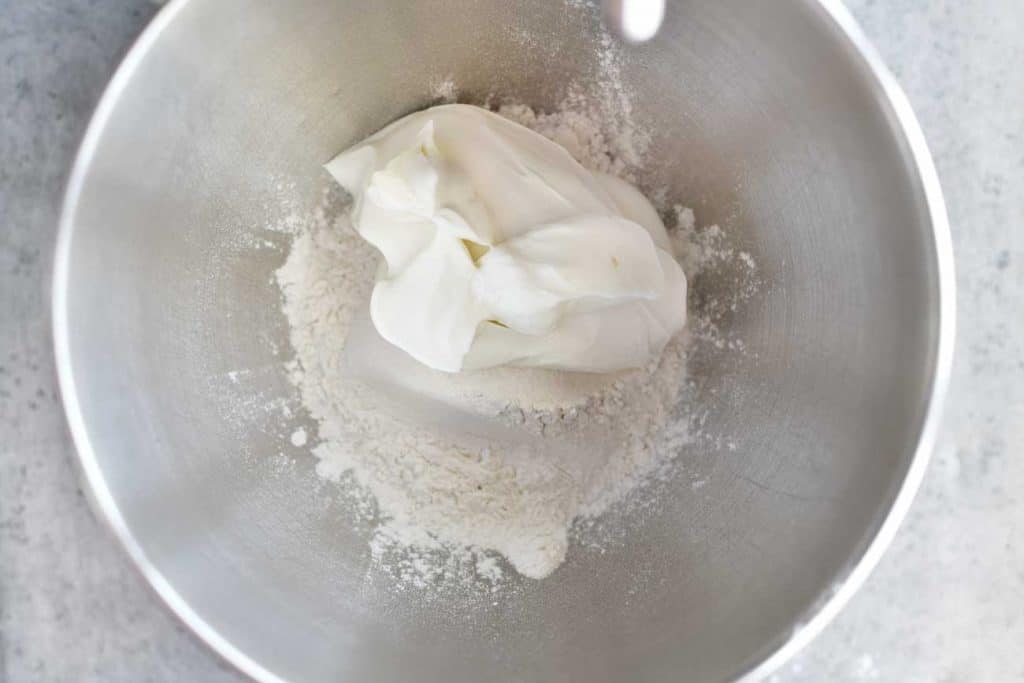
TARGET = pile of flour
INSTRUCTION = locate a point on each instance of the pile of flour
(586, 441)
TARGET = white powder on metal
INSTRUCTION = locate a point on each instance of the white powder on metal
(439, 491)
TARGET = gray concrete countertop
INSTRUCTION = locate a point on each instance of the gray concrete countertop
(947, 601)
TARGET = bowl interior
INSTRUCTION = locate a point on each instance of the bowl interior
(763, 118)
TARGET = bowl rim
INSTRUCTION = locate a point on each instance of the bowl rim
(818, 616)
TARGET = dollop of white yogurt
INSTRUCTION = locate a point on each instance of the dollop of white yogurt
(500, 249)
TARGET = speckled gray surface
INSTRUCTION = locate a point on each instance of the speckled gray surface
(945, 604)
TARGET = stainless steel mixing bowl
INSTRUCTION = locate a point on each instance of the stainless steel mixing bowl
(774, 120)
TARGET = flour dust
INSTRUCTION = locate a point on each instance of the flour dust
(447, 504)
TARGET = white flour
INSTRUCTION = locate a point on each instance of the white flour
(440, 492)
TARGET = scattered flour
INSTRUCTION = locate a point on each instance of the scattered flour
(447, 500)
